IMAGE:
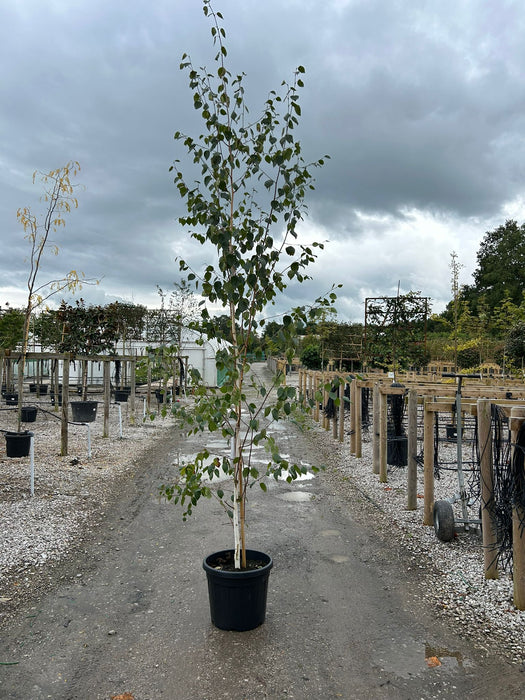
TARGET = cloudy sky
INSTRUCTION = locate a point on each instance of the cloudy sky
(421, 106)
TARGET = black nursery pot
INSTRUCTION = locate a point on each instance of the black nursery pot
(84, 411)
(237, 597)
(11, 399)
(122, 395)
(18, 444)
(29, 414)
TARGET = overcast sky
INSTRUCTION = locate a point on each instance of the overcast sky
(421, 106)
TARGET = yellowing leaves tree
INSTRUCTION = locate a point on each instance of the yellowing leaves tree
(59, 198)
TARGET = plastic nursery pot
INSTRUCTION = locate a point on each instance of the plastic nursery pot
(29, 414)
(18, 444)
(54, 399)
(11, 399)
(237, 597)
(42, 388)
(397, 450)
(122, 395)
(160, 394)
(84, 411)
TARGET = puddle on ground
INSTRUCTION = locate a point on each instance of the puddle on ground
(439, 656)
(296, 496)
(183, 459)
(338, 558)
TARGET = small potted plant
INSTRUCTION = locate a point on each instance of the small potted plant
(256, 254)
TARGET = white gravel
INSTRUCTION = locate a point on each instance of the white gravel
(457, 586)
(71, 492)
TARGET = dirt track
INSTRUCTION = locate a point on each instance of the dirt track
(346, 618)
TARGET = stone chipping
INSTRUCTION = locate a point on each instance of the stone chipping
(73, 492)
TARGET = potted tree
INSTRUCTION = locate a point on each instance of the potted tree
(87, 331)
(255, 253)
(60, 200)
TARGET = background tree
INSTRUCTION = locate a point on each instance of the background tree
(87, 331)
(515, 344)
(395, 331)
(11, 328)
(500, 272)
(59, 201)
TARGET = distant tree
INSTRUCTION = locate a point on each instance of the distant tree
(179, 309)
(500, 272)
(87, 331)
(395, 331)
(47, 330)
(515, 343)
(11, 328)
(311, 356)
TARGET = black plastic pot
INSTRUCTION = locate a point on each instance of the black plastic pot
(237, 597)
(11, 399)
(160, 394)
(84, 411)
(452, 433)
(53, 398)
(397, 450)
(18, 444)
(42, 388)
(122, 395)
(29, 414)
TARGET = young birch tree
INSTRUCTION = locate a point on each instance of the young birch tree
(247, 204)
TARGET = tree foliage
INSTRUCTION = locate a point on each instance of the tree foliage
(500, 271)
(245, 207)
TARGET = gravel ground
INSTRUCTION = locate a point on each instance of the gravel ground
(456, 585)
(72, 494)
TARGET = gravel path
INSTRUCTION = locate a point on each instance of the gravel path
(73, 493)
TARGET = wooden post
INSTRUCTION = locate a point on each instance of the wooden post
(517, 416)
(65, 406)
(358, 420)
(352, 416)
(487, 488)
(316, 400)
(335, 430)
(383, 408)
(341, 422)
(375, 428)
(412, 450)
(133, 372)
(106, 373)
(428, 449)
(148, 395)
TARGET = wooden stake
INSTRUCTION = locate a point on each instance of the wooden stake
(383, 407)
(352, 415)
(375, 429)
(341, 412)
(428, 448)
(487, 488)
(358, 420)
(412, 451)
(65, 406)
(106, 373)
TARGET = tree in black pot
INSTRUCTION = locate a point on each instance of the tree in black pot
(256, 253)
(59, 198)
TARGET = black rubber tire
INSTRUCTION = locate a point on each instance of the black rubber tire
(444, 521)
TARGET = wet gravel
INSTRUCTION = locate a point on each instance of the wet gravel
(73, 494)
